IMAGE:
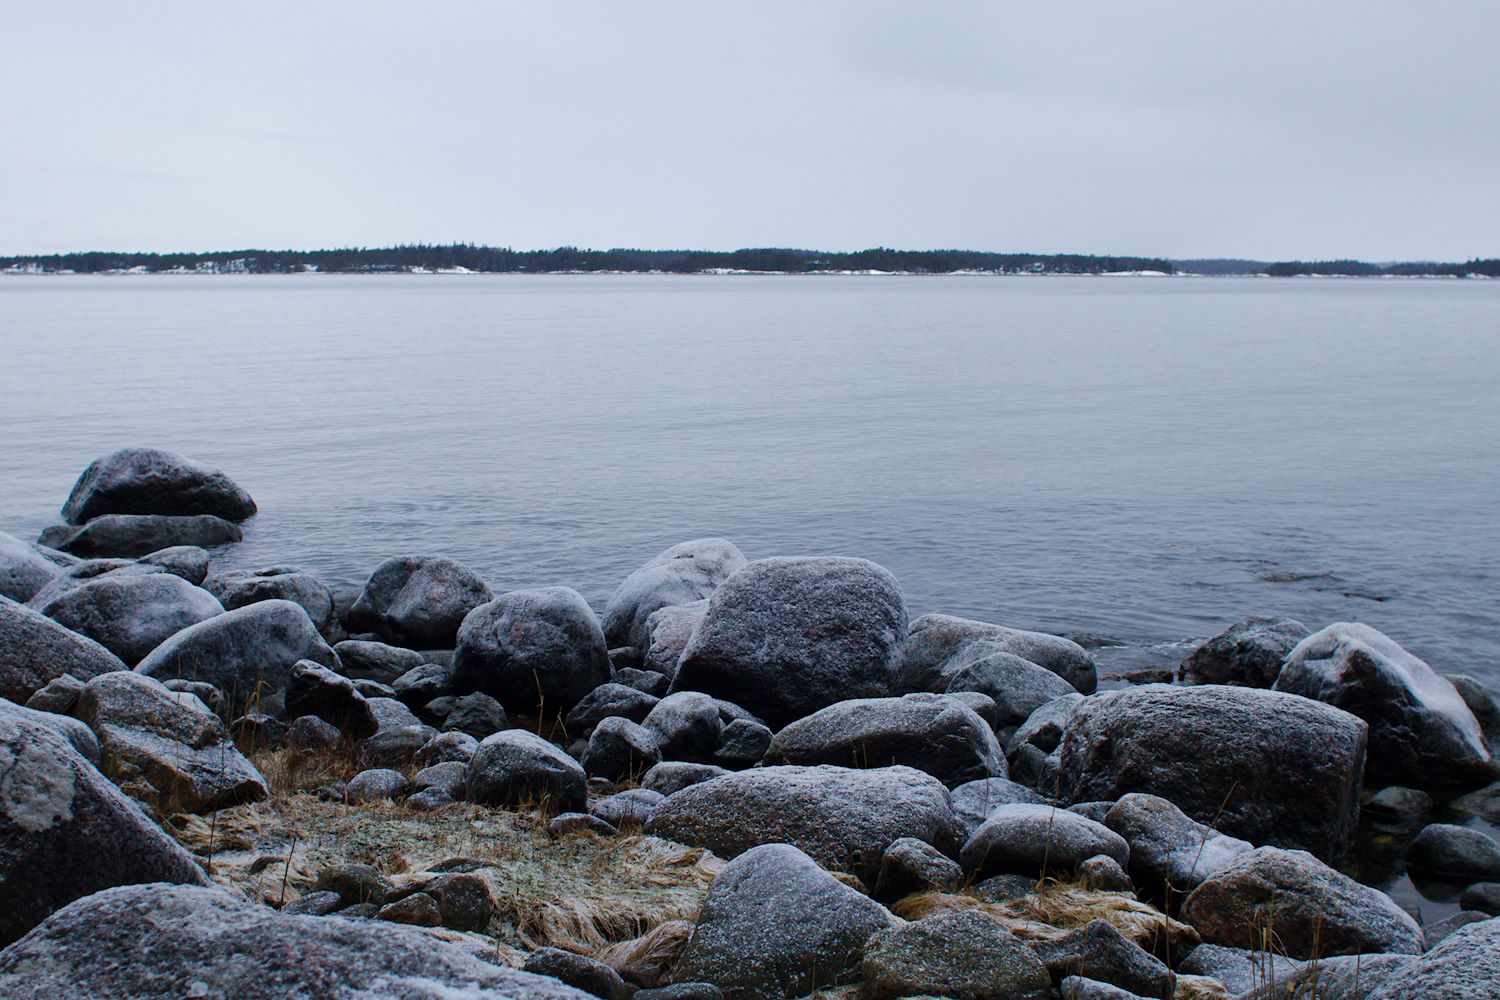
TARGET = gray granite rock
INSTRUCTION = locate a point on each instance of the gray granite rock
(532, 650)
(122, 535)
(418, 601)
(517, 767)
(973, 801)
(1455, 852)
(35, 650)
(1035, 841)
(1249, 653)
(963, 956)
(132, 615)
(238, 587)
(683, 574)
(153, 481)
(942, 645)
(1170, 853)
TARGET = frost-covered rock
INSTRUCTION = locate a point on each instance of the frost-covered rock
(418, 601)
(1044, 727)
(238, 587)
(942, 645)
(687, 725)
(909, 866)
(516, 766)
(963, 956)
(607, 701)
(1098, 951)
(131, 615)
(369, 660)
(1249, 653)
(35, 650)
(313, 689)
(619, 749)
(668, 632)
(119, 535)
(682, 574)
(785, 637)
(1455, 852)
(973, 801)
(23, 570)
(242, 652)
(1035, 841)
(152, 481)
(1421, 732)
(532, 650)
(1170, 852)
(1018, 687)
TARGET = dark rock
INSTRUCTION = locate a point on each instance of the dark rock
(61, 693)
(742, 743)
(399, 739)
(418, 601)
(1455, 852)
(66, 832)
(23, 570)
(942, 645)
(682, 991)
(844, 818)
(311, 733)
(187, 561)
(1483, 802)
(1342, 977)
(1034, 769)
(624, 658)
(359, 911)
(973, 801)
(578, 971)
(674, 775)
(1248, 653)
(240, 587)
(132, 615)
(910, 865)
(1464, 966)
(1034, 840)
(257, 731)
(534, 650)
(81, 572)
(668, 632)
(606, 701)
(1483, 704)
(206, 693)
(429, 799)
(683, 574)
(313, 689)
(245, 653)
(456, 748)
(564, 824)
(686, 725)
(1433, 933)
(931, 733)
(1095, 811)
(1262, 765)
(962, 956)
(1170, 853)
(1398, 805)
(1421, 732)
(448, 776)
(355, 883)
(1311, 909)
(365, 660)
(477, 715)
(649, 681)
(620, 749)
(789, 636)
(776, 926)
(982, 705)
(1045, 726)
(120, 535)
(376, 784)
(1240, 969)
(1103, 873)
(1018, 687)
(374, 689)
(418, 909)
(633, 806)
(35, 650)
(166, 749)
(1483, 897)
(152, 481)
(423, 684)
(1148, 675)
(314, 904)
(1079, 988)
(1003, 888)
(516, 767)
(1100, 952)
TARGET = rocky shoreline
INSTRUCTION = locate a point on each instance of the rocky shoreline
(756, 779)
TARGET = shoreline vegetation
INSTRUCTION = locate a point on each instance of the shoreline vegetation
(464, 258)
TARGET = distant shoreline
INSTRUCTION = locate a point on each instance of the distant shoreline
(419, 272)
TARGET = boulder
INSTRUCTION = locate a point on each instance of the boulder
(568, 824)
(246, 653)
(1464, 966)
(675, 775)
(476, 714)
(776, 926)
(446, 748)
(313, 689)
(1045, 726)
(1310, 909)
(66, 831)
(578, 971)
(683, 574)
(417, 909)
(844, 818)
(35, 651)
(931, 733)
(75, 576)
(1034, 841)
(942, 645)
(149, 940)
(309, 733)
(152, 481)
(121, 535)
(1170, 853)
(962, 956)
(909, 866)
(376, 784)
(620, 749)
(423, 685)
(1483, 704)
(1241, 969)
(1398, 806)
(1483, 897)
(533, 650)
(1103, 873)
(23, 570)
(632, 806)
(973, 801)
(187, 561)
(131, 615)
(364, 659)
(668, 632)
(649, 681)
(515, 767)
(789, 636)
(687, 725)
(1018, 687)
(80, 736)
(607, 701)
(1421, 732)
(166, 749)
(1342, 977)
(355, 883)
(1454, 852)
(1098, 951)
(742, 743)
(400, 735)
(1269, 767)
(418, 601)
(238, 587)
(1248, 653)
(61, 693)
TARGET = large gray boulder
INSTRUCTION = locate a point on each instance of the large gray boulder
(35, 650)
(245, 652)
(684, 573)
(23, 570)
(152, 481)
(776, 926)
(1268, 767)
(1018, 687)
(1340, 977)
(119, 535)
(785, 637)
(532, 650)
(1036, 841)
(166, 748)
(942, 645)
(962, 956)
(516, 767)
(1170, 852)
(973, 801)
(668, 632)
(130, 615)
(1455, 852)
(1421, 732)
(1465, 965)
(929, 732)
(190, 941)
(237, 588)
(66, 831)
(1249, 653)
(418, 601)
(1308, 908)
(844, 818)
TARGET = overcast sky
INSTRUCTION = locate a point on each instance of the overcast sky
(1268, 129)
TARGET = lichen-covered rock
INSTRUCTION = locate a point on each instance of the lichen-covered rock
(1308, 907)
(844, 818)
(120, 535)
(788, 636)
(942, 645)
(776, 926)
(238, 587)
(192, 941)
(1035, 841)
(1170, 852)
(1421, 732)
(66, 831)
(245, 652)
(1249, 653)
(1455, 852)
(668, 632)
(1269, 767)
(23, 570)
(962, 956)
(532, 650)
(35, 650)
(683, 574)
(131, 615)
(516, 766)
(166, 749)
(931, 733)
(418, 601)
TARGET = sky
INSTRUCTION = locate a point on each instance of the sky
(1270, 130)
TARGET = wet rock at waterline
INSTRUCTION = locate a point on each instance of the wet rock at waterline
(683, 574)
(121, 535)
(418, 601)
(1249, 653)
(153, 481)
(942, 645)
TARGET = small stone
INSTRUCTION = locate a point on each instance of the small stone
(649, 681)
(1103, 873)
(311, 733)
(1099, 951)
(578, 971)
(1482, 896)
(674, 775)
(446, 747)
(1455, 852)
(1398, 805)
(1434, 933)
(418, 908)
(315, 904)
(58, 695)
(961, 956)
(565, 824)
(377, 784)
(355, 883)
(910, 866)
(629, 808)
(743, 743)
